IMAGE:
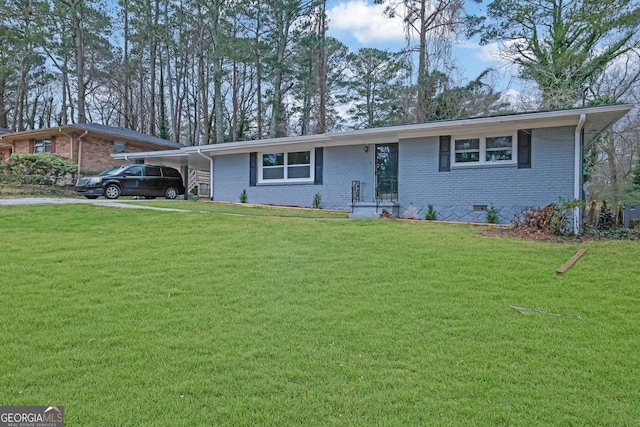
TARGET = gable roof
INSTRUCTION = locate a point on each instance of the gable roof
(110, 132)
(596, 120)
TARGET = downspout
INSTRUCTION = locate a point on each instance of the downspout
(210, 173)
(577, 168)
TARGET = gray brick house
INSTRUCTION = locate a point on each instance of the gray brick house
(460, 167)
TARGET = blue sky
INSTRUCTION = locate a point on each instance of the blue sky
(360, 23)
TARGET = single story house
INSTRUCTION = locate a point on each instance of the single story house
(460, 167)
(3, 154)
(90, 146)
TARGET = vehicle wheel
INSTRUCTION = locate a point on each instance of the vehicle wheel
(112, 191)
(91, 197)
(170, 193)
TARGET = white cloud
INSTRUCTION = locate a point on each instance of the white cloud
(367, 23)
(489, 52)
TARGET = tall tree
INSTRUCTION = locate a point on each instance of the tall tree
(433, 23)
(21, 28)
(562, 45)
(476, 98)
(287, 19)
(374, 87)
(611, 157)
(89, 26)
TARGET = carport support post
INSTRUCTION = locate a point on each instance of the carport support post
(185, 177)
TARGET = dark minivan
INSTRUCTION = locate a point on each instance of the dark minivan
(132, 180)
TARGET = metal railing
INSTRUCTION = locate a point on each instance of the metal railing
(356, 187)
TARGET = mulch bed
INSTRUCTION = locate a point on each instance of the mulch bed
(537, 235)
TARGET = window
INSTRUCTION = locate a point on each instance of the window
(286, 167)
(484, 150)
(153, 171)
(467, 150)
(42, 146)
(173, 173)
(499, 148)
(119, 147)
(135, 171)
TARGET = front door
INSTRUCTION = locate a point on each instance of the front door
(387, 171)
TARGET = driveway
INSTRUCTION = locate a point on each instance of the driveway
(25, 201)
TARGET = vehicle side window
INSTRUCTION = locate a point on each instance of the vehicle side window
(135, 171)
(153, 171)
(170, 172)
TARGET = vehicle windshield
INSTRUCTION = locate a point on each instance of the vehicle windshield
(114, 170)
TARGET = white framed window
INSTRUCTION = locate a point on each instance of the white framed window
(294, 166)
(41, 146)
(484, 150)
(119, 147)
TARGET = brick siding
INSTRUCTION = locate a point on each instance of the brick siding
(453, 194)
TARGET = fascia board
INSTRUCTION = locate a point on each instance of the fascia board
(150, 154)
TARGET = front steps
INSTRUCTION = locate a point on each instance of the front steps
(373, 209)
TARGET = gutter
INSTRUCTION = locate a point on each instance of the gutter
(199, 152)
(577, 170)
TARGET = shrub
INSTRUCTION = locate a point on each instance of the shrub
(317, 199)
(243, 196)
(5, 168)
(34, 168)
(553, 218)
(492, 214)
(613, 233)
(431, 214)
(606, 219)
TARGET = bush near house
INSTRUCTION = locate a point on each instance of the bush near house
(553, 218)
(38, 168)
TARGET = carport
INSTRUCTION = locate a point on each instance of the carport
(202, 157)
(174, 158)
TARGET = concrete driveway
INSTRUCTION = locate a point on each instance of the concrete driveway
(25, 201)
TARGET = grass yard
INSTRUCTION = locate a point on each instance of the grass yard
(135, 317)
(244, 209)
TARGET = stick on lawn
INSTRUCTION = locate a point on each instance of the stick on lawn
(567, 265)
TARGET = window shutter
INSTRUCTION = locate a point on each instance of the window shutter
(53, 144)
(31, 145)
(524, 149)
(253, 169)
(318, 167)
(445, 153)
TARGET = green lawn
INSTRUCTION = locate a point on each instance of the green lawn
(245, 209)
(135, 317)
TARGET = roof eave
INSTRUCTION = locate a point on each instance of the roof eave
(73, 130)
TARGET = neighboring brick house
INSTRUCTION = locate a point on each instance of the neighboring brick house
(6, 146)
(460, 167)
(90, 146)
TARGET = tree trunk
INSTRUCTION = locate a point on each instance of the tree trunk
(77, 22)
(321, 125)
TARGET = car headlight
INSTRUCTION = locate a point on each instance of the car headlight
(93, 181)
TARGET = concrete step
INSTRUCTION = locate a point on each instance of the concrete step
(373, 209)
